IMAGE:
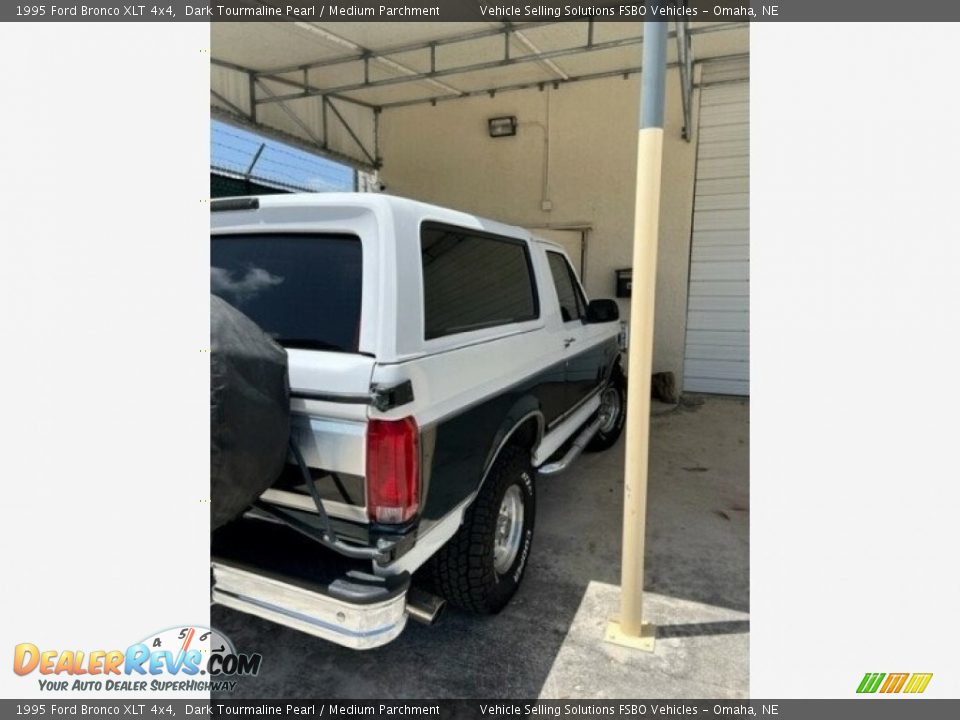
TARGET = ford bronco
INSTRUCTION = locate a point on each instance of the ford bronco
(440, 365)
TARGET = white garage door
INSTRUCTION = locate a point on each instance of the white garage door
(718, 320)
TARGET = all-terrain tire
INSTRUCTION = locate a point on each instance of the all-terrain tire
(612, 428)
(463, 571)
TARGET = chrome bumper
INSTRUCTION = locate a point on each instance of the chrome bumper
(353, 625)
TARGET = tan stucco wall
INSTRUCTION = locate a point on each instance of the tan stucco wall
(444, 155)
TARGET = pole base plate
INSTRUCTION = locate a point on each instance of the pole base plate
(646, 641)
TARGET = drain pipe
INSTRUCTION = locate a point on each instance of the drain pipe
(629, 629)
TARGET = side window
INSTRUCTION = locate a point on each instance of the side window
(572, 303)
(472, 280)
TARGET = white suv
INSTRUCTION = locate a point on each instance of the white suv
(438, 364)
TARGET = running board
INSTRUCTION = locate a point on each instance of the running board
(585, 436)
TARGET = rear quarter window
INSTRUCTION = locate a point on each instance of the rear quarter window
(474, 280)
(304, 290)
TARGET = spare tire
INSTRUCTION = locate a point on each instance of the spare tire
(249, 411)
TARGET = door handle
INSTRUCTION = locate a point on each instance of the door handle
(567, 342)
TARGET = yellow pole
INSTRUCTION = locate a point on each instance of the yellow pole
(629, 629)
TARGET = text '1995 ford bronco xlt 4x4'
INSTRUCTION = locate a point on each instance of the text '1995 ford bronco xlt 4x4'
(438, 364)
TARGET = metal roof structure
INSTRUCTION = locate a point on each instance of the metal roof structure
(327, 86)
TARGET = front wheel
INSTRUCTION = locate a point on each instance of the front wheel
(612, 413)
(481, 567)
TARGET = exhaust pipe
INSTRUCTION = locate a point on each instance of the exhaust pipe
(424, 607)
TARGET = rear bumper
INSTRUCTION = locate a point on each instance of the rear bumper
(270, 571)
(357, 625)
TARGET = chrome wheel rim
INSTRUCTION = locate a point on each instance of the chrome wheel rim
(509, 530)
(610, 407)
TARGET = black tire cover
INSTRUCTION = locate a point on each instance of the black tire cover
(249, 411)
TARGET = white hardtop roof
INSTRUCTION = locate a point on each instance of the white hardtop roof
(413, 209)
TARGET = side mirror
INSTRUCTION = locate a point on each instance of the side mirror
(602, 311)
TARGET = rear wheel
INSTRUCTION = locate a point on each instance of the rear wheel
(481, 567)
(612, 413)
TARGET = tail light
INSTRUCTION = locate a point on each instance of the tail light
(393, 470)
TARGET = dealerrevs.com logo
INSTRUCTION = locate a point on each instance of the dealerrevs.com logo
(911, 683)
(187, 658)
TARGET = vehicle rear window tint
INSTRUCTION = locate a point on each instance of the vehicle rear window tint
(304, 290)
(474, 280)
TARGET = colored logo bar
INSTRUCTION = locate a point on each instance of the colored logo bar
(894, 683)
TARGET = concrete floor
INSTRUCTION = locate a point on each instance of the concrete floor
(548, 641)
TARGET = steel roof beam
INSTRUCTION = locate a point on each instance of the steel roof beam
(295, 119)
(412, 47)
(320, 142)
(491, 64)
(374, 162)
(233, 107)
(528, 44)
(303, 86)
(541, 84)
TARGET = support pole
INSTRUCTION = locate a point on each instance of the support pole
(629, 629)
(252, 88)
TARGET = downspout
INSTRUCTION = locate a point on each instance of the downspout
(545, 172)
